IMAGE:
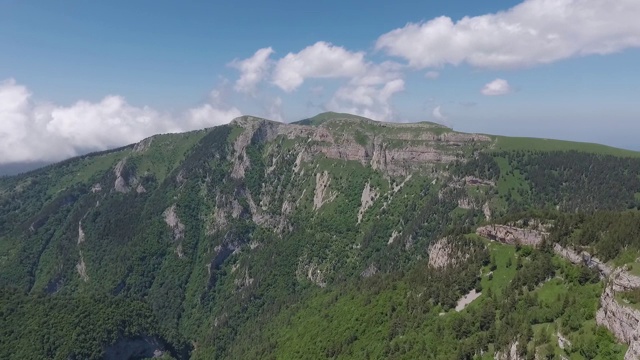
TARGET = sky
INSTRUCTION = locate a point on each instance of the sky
(79, 76)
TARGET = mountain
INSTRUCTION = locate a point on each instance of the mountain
(333, 237)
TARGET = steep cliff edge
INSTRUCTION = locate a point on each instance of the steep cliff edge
(512, 235)
(623, 321)
(396, 149)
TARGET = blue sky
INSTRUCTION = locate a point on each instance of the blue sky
(78, 75)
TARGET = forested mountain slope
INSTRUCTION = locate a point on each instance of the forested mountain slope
(333, 237)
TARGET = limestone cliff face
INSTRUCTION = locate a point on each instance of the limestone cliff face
(396, 149)
(121, 183)
(125, 182)
(624, 281)
(511, 353)
(171, 219)
(444, 253)
(392, 149)
(583, 258)
(417, 151)
(622, 321)
(512, 235)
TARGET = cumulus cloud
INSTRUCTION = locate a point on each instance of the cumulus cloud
(33, 131)
(366, 89)
(437, 113)
(372, 101)
(496, 87)
(369, 93)
(320, 60)
(207, 115)
(531, 33)
(432, 75)
(252, 70)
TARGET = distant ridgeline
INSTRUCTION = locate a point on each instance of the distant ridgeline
(333, 237)
(19, 168)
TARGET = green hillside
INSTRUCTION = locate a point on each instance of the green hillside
(506, 143)
(336, 237)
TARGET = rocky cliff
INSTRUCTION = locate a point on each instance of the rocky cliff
(512, 235)
(583, 258)
(510, 353)
(396, 149)
(623, 321)
(444, 253)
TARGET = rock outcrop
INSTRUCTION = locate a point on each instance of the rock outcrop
(568, 254)
(244, 281)
(393, 237)
(143, 145)
(423, 144)
(96, 188)
(624, 281)
(563, 342)
(81, 267)
(443, 253)
(322, 194)
(486, 210)
(81, 236)
(512, 235)
(472, 180)
(369, 271)
(466, 203)
(172, 220)
(622, 321)
(311, 271)
(120, 184)
(583, 258)
(240, 159)
(511, 353)
(124, 181)
(368, 197)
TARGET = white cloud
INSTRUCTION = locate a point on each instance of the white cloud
(208, 115)
(496, 87)
(432, 75)
(531, 33)
(32, 131)
(369, 93)
(437, 113)
(378, 74)
(368, 100)
(366, 90)
(274, 111)
(252, 70)
(320, 60)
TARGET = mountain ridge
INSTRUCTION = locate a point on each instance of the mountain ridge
(502, 142)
